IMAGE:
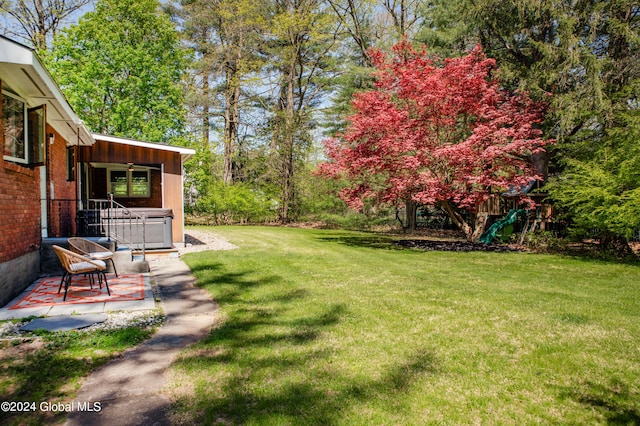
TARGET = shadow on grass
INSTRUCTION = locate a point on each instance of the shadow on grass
(374, 241)
(274, 360)
(37, 378)
(230, 287)
(614, 401)
(48, 374)
(313, 398)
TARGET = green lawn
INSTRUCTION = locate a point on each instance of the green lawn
(332, 327)
(50, 367)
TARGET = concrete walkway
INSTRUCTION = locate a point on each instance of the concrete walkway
(129, 390)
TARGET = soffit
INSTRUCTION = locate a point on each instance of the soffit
(23, 73)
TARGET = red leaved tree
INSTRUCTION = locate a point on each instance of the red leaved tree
(436, 133)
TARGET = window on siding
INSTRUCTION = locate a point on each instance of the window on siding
(129, 183)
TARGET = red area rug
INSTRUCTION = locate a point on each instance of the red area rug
(45, 293)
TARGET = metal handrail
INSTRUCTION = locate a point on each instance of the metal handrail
(114, 211)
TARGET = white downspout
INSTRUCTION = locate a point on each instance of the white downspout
(162, 185)
(182, 198)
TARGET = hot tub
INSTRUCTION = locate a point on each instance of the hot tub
(133, 226)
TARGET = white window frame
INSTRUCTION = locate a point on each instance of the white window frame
(129, 173)
(25, 127)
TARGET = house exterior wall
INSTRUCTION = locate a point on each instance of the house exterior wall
(20, 225)
(61, 192)
(20, 201)
(166, 183)
(173, 199)
(37, 199)
(108, 152)
(19, 228)
(21, 208)
(100, 189)
(16, 274)
(155, 200)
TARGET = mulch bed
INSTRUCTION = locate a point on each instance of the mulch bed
(431, 245)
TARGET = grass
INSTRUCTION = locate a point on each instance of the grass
(49, 367)
(332, 327)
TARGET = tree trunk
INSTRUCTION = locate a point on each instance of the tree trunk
(479, 226)
(231, 115)
(287, 142)
(287, 191)
(411, 209)
(458, 220)
(616, 245)
(206, 110)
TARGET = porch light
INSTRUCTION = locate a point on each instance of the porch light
(51, 138)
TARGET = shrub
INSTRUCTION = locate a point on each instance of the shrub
(545, 242)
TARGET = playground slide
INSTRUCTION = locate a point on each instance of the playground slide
(493, 230)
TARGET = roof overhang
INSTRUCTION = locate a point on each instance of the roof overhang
(185, 153)
(22, 71)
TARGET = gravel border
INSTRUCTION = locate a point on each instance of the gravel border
(196, 240)
(10, 330)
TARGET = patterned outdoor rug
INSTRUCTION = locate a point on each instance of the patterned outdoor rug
(45, 293)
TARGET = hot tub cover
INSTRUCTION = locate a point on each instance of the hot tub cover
(146, 212)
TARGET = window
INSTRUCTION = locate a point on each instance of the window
(23, 130)
(129, 183)
(71, 164)
(37, 125)
(140, 183)
(14, 119)
(119, 183)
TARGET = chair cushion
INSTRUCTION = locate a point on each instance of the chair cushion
(86, 266)
(101, 255)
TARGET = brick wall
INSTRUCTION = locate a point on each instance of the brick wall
(20, 205)
(20, 210)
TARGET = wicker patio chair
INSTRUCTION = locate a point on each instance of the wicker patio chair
(92, 250)
(77, 264)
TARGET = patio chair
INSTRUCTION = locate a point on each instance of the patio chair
(92, 250)
(77, 264)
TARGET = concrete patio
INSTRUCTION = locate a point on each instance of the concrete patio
(76, 307)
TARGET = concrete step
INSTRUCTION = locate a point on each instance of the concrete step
(127, 263)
